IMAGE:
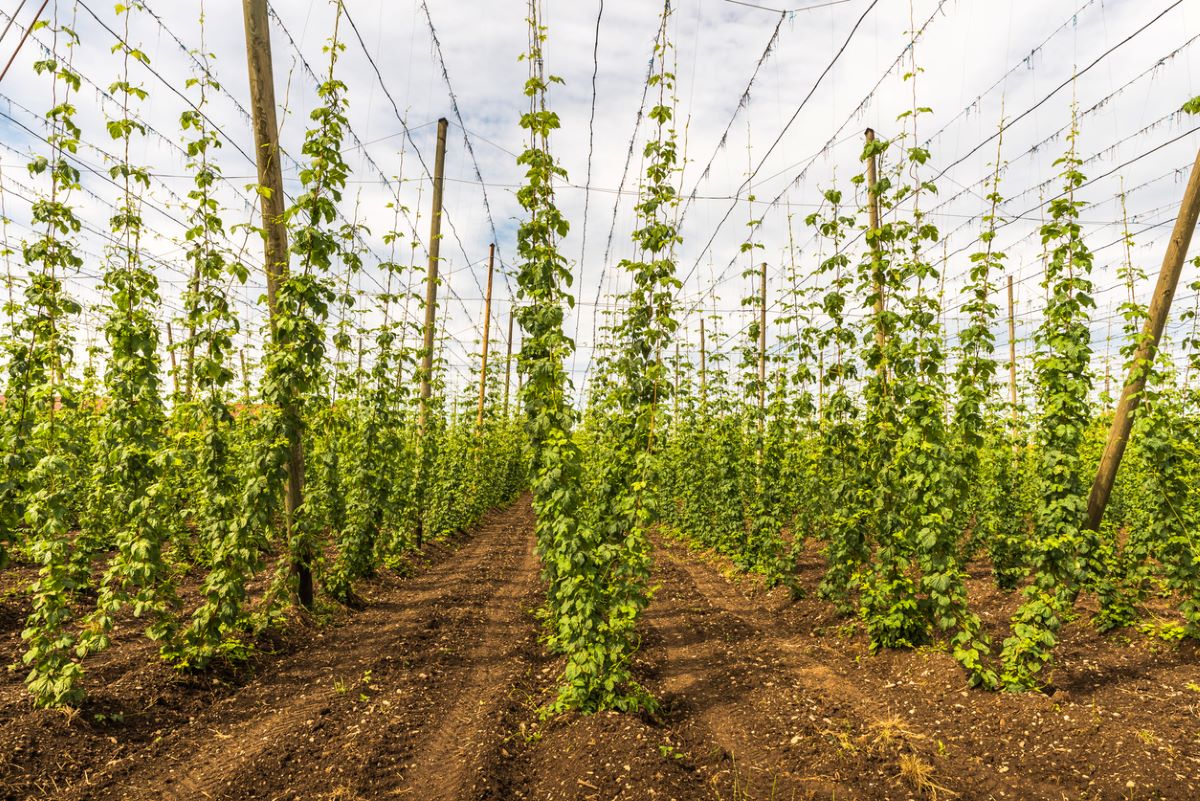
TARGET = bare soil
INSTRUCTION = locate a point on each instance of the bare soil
(432, 691)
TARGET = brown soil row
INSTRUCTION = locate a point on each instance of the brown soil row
(407, 699)
(433, 692)
(798, 708)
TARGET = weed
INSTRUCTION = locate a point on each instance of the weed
(918, 774)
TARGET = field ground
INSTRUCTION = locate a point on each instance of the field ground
(431, 691)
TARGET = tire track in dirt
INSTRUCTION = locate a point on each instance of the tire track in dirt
(787, 725)
(408, 699)
(471, 733)
(722, 694)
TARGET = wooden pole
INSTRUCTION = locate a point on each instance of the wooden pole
(28, 30)
(431, 282)
(876, 255)
(658, 363)
(703, 367)
(189, 363)
(941, 299)
(11, 20)
(675, 394)
(245, 378)
(174, 362)
(1160, 307)
(487, 328)
(270, 176)
(820, 384)
(508, 358)
(271, 201)
(762, 341)
(1108, 363)
(1012, 354)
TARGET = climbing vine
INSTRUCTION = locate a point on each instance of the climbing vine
(129, 475)
(40, 441)
(1062, 366)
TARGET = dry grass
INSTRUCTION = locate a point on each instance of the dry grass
(892, 733)
(342, 793)
(918, 774)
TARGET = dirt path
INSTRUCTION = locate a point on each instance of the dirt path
(432, 692)
(406, 700)
(759, 718)
(771, 700)
(714, 672)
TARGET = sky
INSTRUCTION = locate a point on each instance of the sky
(772, 103)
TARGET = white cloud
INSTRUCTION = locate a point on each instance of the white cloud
(968, 53)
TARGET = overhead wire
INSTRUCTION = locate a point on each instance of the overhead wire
(487, 206)
(1075, 76)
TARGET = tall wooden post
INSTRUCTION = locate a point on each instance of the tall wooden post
(1012, 354)
(703, 367)
(174, 361)
(271, 200)
(189, 356)
(512, 312)
(1108, 362)
(487, 333)
(266, 144)
(12, 18)
(1160, 307)
(762, 341)
(658, 363)
(941, 296)
(675, 394)
(28, 30)
(245, 378)
(820, 384)
(876, 255)
(431, 282)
